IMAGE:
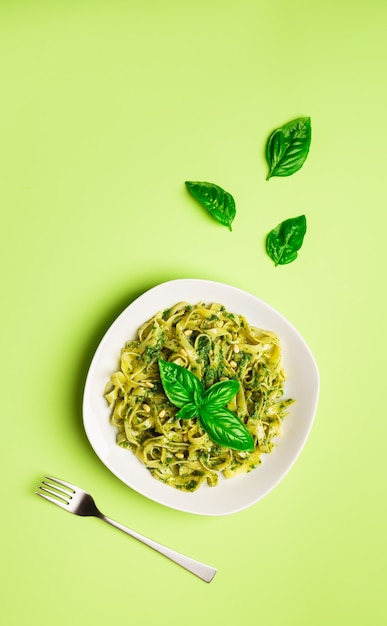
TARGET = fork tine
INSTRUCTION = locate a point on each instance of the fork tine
(60, 503)
(58, 490)
(52, 489)
(63, 483)
(57, 493)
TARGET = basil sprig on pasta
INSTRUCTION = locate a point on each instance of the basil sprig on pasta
(187, 392)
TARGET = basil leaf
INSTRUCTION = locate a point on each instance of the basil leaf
(188, 412)
(180, 385)
(220, 393)
(186, 391)
(225, 428)
(284, 241)
(216, 200)
(288, 147)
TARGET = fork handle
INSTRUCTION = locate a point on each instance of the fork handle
(203, 571)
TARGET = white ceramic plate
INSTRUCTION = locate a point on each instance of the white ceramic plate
(229, 495)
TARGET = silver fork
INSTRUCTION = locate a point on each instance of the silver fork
(79, 502)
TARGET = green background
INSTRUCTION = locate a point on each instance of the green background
(106, 108)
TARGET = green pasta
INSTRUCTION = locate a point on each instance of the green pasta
(215, 345)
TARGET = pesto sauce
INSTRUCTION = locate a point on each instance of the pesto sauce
(190, 485)
(152, 353)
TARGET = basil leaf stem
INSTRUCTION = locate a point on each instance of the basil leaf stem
(218, 202)
(288, 147)
(285, 240)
